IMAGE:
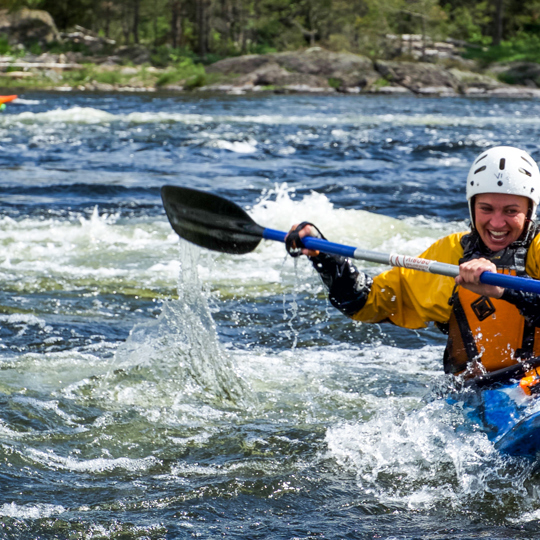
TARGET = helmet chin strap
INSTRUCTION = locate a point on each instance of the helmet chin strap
(529, 221)
(471, 211)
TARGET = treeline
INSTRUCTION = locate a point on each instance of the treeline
(230, 27)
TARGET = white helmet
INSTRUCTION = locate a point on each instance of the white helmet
(504, 169)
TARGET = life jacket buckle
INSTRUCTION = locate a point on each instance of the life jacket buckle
(483, 307)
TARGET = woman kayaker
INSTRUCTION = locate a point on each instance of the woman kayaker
(488, 327)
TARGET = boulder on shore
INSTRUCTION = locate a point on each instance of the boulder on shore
(316, 68)
(319, 70)
(522, 73)
(471, 83)
(28, 26)
(419, 77)
(272, 74)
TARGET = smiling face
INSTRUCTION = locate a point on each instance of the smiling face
(500, 218)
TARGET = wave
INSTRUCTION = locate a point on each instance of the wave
(30, 511)
(89, 115)
(110, 253)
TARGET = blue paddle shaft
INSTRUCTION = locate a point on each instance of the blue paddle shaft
(405, 261)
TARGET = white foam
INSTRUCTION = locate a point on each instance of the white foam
(89, 115)
(118, 254)
(278, 209)
(75, 115)
(426, 461)
(23, 319)
(239, 147)
(101, 247)
(30, 511)
(99, 465)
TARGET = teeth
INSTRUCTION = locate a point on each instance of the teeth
(497, 234)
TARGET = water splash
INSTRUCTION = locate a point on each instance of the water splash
(426, 457)
(179, 355)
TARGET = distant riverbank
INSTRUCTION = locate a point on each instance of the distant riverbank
(311, 70)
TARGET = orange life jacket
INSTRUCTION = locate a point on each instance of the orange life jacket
(488, 330)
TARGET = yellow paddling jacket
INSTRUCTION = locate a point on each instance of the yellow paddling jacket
(488, 330)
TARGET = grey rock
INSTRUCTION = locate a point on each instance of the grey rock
(134, 53)
(239, 65)
(270, 74)
(516, 92)
(436, 91)
(471, 83)
(28, 26)
(522, 73)
(313, 67)
(418, 76)
(92, 41)
(389, 90)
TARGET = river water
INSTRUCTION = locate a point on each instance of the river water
(150, 389)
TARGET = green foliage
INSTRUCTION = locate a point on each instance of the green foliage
(4, 45)
(205, 31)
(184, 72)
(380, 83)
(164, 56)
(196, 81)
(78, 77)
(261, 48)
(339, 43)
(467, 22)
(523, 48)
(34, 4)
(36, 49)
(334, 83)
(109, 77)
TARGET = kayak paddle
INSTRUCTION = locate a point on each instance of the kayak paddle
(218, 224)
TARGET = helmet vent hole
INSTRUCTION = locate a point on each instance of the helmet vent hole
(502, 163)
(481, 158)
(524, 171)
(499, 183)
(526, 161)
(480, 169)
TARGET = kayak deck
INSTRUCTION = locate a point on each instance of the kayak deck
(510, 418)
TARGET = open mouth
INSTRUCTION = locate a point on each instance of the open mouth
(498, 236)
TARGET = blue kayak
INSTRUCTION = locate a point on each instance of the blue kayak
(509, 416)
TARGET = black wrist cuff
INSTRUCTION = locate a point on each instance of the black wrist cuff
(293, 242)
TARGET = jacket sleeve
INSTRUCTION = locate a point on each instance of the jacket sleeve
(528, 303)
(348, 288)
(410, 298)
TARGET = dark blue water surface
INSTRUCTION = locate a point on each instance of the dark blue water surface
(153, 390)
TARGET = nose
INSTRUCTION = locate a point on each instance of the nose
(498, 220)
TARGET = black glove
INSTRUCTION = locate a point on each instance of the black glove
(293, 242)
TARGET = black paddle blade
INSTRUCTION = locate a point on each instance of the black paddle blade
(210, 221)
